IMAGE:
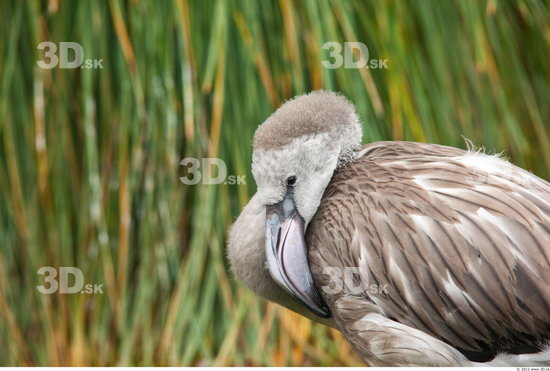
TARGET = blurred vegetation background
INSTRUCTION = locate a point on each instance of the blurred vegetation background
(89, 158)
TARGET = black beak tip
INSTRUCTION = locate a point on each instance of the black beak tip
(323, 311)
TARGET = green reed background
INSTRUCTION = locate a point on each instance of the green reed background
(89, 159)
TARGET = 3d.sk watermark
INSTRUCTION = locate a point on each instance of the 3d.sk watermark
(350, 54)
(208, 171)
(67, 55)
(64, 284)
(351, 280)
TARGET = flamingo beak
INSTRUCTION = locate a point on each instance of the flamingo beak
(286, 253)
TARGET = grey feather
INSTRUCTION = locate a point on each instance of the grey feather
(454, 236)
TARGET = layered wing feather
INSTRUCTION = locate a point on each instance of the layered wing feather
(453, 243)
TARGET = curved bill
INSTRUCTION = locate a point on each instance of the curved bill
(286, 253)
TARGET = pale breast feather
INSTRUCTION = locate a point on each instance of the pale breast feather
(460, 239)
